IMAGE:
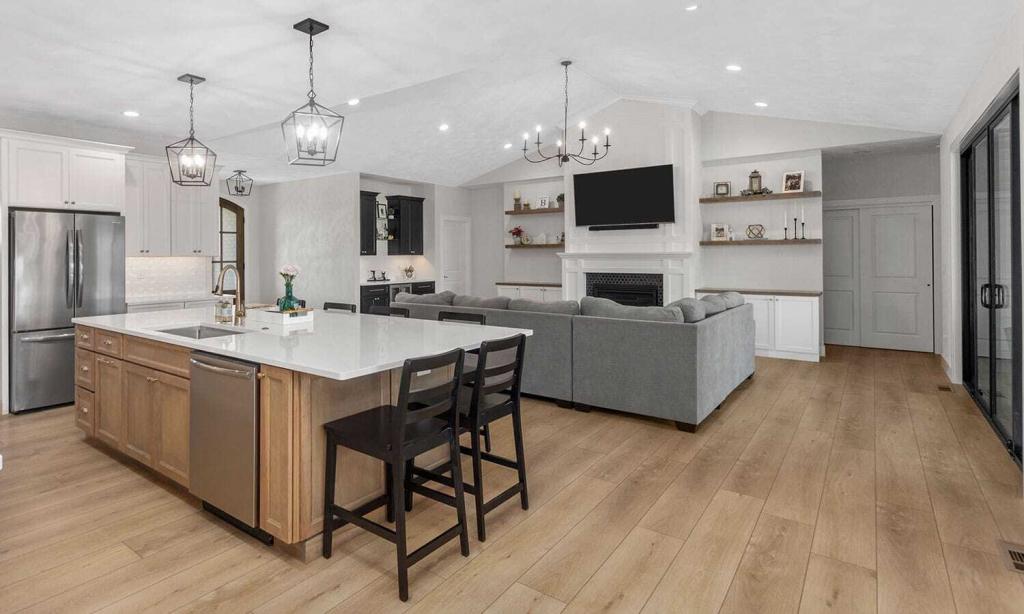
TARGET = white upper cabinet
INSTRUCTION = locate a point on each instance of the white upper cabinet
(53, 175)
(195, 220)
(36, 175)
(96, 180)
(147, 208)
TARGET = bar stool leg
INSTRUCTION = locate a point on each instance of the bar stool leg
(329, 469)
(408, 479)
(478, 486)
(487, 437)
(398, 494)
(460, 501)
(517, 433)
(389, 481)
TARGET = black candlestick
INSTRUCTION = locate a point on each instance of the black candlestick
(802, 235)
(794, 229)
(786, 231)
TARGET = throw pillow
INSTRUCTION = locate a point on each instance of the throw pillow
(569, 308)
(715, 304)
(732, 299)
(494, 302)
(693, 309)
(441, 298)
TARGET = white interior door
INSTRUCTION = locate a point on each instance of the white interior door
(841, 240)
(455, 256)
(896, 277)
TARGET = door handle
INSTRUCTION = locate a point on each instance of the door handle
(46, 338)
(80, 249)
(1000, 296)
(221, 370)
(985, 290)
(69, 270)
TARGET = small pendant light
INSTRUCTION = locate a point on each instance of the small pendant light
(239, 184)
(312, 132)
(191, 162)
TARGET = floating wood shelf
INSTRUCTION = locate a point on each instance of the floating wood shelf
(535, 246)
(751, 242)
(717, 200)
(535, 211)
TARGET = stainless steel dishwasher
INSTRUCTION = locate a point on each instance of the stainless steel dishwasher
(224, 439)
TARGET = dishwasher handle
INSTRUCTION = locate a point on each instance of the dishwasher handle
(241, 373)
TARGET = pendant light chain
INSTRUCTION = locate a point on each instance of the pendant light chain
(191, 109)
(311, 94)
(565, 117)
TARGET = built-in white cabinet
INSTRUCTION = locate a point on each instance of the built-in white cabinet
(54, 174)
(786, 326)
(195, 220)
(543, 294)
(147, 208)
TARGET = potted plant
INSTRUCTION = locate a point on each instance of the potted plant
(517, 235)
(560, 199)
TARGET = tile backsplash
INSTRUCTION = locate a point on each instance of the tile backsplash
(167, 277)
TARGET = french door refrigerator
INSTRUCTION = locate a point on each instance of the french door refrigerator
(62, 265)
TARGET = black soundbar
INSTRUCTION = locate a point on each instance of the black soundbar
(623, 227)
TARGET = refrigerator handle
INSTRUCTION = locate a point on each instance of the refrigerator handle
(69, 270)
(80, 259)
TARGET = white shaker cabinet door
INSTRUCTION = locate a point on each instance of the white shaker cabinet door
(764, 320)
(156, 198)
(531, 292)
(797, 325)
(509, 291)
(36, 174)
(96, 180)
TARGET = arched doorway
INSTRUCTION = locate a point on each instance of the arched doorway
(231, 235)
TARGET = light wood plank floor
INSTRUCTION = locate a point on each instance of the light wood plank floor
(853, 485)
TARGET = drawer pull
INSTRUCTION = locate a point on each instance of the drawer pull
(85, 369)
(84, 337)
(108, 342)
(105, 361)
(151, 380)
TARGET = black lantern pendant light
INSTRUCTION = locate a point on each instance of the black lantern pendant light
(239, 184)
(312, 132)
(563, 154)
(191, 162)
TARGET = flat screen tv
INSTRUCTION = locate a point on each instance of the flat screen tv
(631, 196)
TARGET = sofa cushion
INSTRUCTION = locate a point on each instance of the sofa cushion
(494, 302)
(570, 308)
(732, 299)
(715, 304)
(441, 298)
(605, 308)
(693, 310)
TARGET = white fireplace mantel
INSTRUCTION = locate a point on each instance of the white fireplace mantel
(673, 266)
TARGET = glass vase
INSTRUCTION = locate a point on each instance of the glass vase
(288, 302)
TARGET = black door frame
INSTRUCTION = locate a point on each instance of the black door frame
(1007, 104)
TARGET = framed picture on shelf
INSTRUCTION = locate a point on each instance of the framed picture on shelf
(793, 181)
(719, 232)
(543, 202)
(723, 188)
(382, 212)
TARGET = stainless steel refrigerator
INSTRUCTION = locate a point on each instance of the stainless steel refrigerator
(62, 265)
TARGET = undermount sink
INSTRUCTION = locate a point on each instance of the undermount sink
(201, 332)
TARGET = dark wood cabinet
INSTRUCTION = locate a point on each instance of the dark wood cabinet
(374, 295)
(367, 223)
(405, 225)
(423, 287)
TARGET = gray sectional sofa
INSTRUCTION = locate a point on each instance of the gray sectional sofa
(675, 362)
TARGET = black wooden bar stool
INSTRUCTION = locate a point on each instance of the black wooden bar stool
(422, 420)
(494, 395)
(387, 310)
(471, 357)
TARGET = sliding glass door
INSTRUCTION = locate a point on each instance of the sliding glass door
(990, 165)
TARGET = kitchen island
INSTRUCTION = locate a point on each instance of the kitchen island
(133, 390)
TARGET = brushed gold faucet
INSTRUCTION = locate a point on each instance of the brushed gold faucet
(239, 313)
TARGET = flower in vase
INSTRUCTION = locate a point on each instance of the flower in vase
(289, 272)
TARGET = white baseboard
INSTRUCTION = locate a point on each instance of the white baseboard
(806, 357)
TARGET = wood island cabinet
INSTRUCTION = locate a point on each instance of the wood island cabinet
(110, 416)
(140, 418)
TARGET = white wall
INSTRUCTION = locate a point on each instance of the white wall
(883, 174)
(732, 135)
(314, 224)
(486, 206)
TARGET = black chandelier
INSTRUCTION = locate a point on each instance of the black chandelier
(312, 132)
(563, 154)
(239, 184)
(191, 162)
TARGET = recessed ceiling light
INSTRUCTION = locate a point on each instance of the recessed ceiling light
(508, 146)
(692, 7)
(734, 68)
(130, 113)
(443, 127)
(353, 102)
(760, 104)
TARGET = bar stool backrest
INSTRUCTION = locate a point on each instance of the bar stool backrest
(505, 377)
(340, 307)
(439, 401)
(459, 316)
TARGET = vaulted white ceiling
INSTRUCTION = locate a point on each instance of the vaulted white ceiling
(488, 69)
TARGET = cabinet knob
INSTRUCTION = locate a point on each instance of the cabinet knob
(65, 202)
(85, 409)
(85, 369)
(261, 375)
(72, 202)
(108, 342)
(84, 336)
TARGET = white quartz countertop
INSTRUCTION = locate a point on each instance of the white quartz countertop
(336, 345)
